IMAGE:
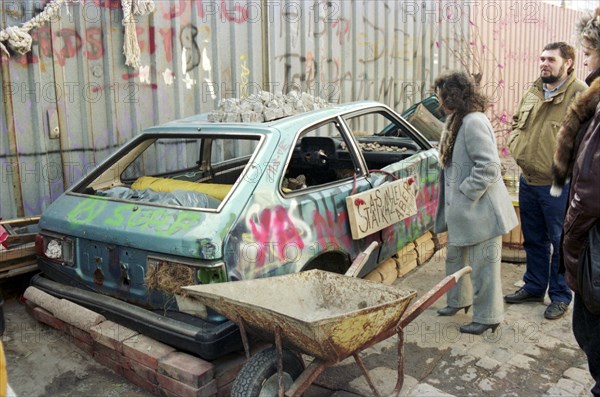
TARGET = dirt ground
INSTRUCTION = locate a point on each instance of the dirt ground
(42, 362)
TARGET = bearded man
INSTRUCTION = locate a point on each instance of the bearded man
(532, 144)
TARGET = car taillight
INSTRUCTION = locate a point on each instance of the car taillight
(203, 273)
(168, 274)
(58, 249)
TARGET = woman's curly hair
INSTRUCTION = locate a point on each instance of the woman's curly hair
(460, 96)
(588, 28)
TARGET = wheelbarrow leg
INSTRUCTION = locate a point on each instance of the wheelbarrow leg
(361, 364)
(279, 348)
(307, 377)
(244, 334)
(400, 380)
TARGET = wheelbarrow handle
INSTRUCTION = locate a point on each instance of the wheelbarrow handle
(433, 295)
(361, 260)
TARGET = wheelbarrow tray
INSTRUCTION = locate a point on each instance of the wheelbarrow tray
(326, 315)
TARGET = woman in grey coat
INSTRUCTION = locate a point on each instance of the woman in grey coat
(474, 205)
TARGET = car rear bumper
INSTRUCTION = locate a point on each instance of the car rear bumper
(182, 331)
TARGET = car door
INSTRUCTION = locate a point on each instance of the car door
(393, 151)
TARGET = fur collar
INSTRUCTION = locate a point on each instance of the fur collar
(573, 127)
(446, 146)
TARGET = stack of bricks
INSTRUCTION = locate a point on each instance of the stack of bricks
(440, 240)
(145, 362)
(425, 248)
(406, 259)
(385, 272)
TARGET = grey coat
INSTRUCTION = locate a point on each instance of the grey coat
(474, 204)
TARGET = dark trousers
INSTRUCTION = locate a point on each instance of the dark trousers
(542, 218)
(586, 327)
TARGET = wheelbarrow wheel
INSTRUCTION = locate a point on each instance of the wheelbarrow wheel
(259, 377)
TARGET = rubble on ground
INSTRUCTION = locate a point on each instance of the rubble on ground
(265, 106)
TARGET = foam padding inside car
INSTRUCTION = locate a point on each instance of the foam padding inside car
(216, 190)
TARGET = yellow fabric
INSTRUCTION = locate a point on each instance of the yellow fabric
(216, 190)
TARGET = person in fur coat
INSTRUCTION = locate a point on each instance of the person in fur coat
(578, 157)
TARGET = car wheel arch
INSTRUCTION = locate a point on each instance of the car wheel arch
(331, 261)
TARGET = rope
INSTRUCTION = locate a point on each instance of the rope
(131, 48)
(19, 39)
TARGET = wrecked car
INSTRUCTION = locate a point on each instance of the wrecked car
(194, 201)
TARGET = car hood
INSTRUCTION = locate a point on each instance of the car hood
(177, 231)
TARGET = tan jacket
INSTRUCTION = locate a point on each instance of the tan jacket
(535, 126)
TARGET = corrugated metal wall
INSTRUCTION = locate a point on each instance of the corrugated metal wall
(71, 101)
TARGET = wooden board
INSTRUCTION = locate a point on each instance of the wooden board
(18, 252)
(375, 209)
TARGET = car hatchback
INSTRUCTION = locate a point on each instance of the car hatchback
(193, 201)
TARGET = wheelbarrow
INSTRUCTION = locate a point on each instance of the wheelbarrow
(324, 315)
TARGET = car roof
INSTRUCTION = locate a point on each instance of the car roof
(201, 122)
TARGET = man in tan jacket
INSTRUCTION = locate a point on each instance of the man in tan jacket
(532, 143)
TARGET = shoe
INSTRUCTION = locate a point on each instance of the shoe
(522, 296)
(477, 328)
(451, 311)
(556, 310)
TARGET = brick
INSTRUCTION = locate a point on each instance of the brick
(108, 362)
(440, 240)
(521, 361)
(111, 335)
(578, 375)
(106, 351)
(406, 255)
(375, 275)
(572, 386)
(44, 316)
(79, 334)
(424, 238)
(488, 363)
(187, 369)
(224, 390)
(183, 390)
(227, 368)
(388, 270)
(145, 350)
(404, 268)
(140, 381)
(555, 391)
(425, 251)
(165, 393)
(81, 345)
(144, 372)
